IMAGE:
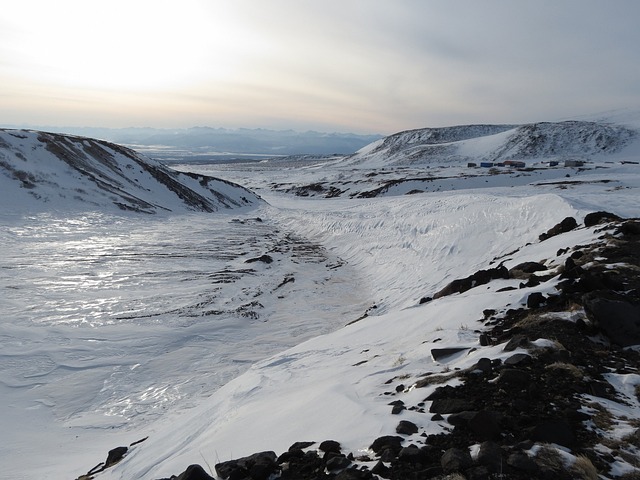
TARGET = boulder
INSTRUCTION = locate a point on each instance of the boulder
(115, 455)
(535, 300)
(566, 225)
(617, 318)
(406, 427)
(596, 218)
(521, 461)
(387, 442)
(440, 353)
(330, 446)
(194, 472)
(338, 462)
(450, 405)
(490, 455)
(456, 460)
(258, 466)
(514, 377)
(481, 277)
(553, 431)
(526, 269)
(263, 258)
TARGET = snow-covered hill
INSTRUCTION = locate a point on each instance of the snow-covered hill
(48, 171)
(477, 143)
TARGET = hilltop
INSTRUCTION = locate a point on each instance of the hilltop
(42, 171)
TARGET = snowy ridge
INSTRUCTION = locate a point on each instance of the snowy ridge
(47, 171)
(476, 143)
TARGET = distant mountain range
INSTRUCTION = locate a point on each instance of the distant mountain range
(51, 171)
(222, 143)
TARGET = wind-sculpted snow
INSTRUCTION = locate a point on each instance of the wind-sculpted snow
(47, 171)
(495, 143)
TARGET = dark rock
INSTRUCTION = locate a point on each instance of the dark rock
(596, 218)
(564, 226)
(258, 466)
(535, 300)
(451, 405)
(484, 365)
(617, 318)
(516, 341)
(411, 454)
(300, 445)
(439, 353)
(514, 377)
(479, 472)
(485, 425)
(397, 409)
(599, 389)
(461, 419)
(380, 469)
(554, 432)
(441, 392)
(290, 455)
(406, 427)
(525, 269)
(488, 312)
(387, 442)
(490, 455)
(337, 463)
(354, 474)
(263, 258)
(481, 277)
(115, 455)
(521, 461)
(629, 228)
(330, 446)
(194, 472)
(571, 270)
(456, 460)
(518, 359)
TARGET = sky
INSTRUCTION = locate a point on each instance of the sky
(363, 66)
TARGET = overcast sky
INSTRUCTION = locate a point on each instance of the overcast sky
(367, 66)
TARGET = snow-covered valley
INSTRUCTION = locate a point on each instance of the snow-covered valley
(218, 335)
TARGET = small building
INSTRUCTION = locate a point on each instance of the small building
(553, 163)
(573, 163)
(472, 165)
(514, 164)
(486, 164)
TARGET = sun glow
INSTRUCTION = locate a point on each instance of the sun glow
(135, 46)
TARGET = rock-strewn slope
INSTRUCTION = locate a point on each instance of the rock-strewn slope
(45, 171)
(561, 402)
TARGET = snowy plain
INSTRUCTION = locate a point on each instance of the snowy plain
(121, 326)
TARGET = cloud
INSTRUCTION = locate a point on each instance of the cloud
(362, 65)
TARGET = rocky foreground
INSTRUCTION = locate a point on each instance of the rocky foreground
(550, 410)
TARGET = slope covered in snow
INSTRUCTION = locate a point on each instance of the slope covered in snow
(496, 143)
(47, 171)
